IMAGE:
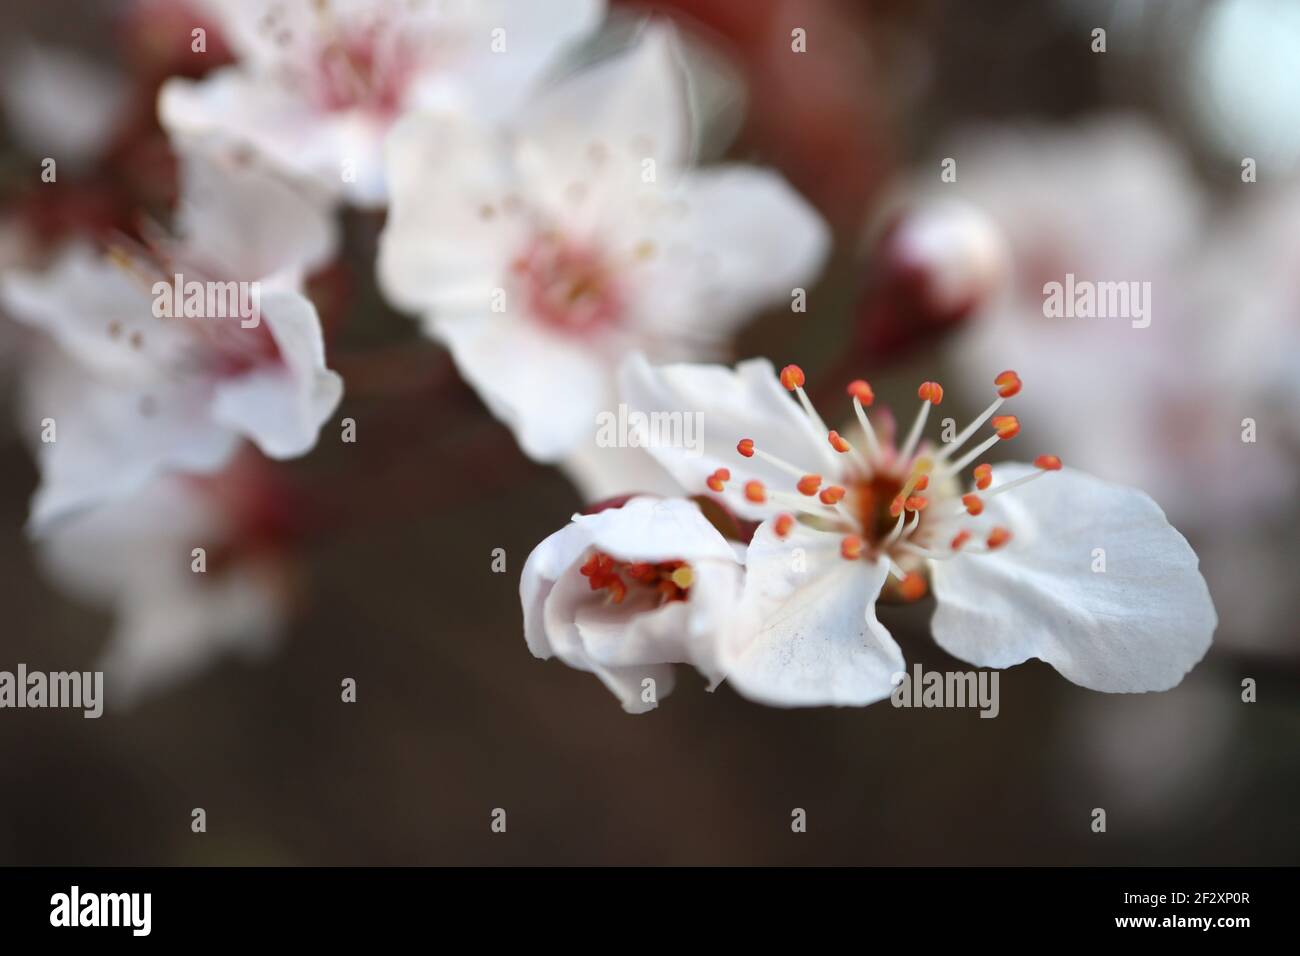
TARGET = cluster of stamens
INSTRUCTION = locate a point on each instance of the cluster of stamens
(670, 580)
(899, 503)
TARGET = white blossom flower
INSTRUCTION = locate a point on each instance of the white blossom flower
(542, 259)
(318, 84)
(1113, 200)
(629, 591)
(1011, 561)
(135, 560)
(120, 394)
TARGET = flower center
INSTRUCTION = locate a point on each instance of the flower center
(568, 286)
(665, 580)
(899, 503)
(366, 69)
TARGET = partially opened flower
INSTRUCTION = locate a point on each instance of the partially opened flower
(629, 591)
(162, 358)
(541, 260)
(319, 84)
(851, 516)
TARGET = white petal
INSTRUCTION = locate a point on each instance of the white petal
(134, 559)
(810, 637)
(99, 313)
(535, 34)
(748, 240)
(111, 438)
(601, 473)
(241, 220)
(342, 152)
(629, 109)
(654, 530)
(546, 388)
(282, 406)
(748, 402)
(447, 242)
(1138, 626)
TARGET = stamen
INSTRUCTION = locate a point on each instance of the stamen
(746, 447)
(1008, 383)
(920, 469)
(784, 524)
(1044, 464)
(930, 393)
(851, 547)
(913, 587)
(1007, 426)
(862, 396)
(717, 481)
(832, 495)
(897, 532)
(837, 442)
(972, 504)
(1008, 431)
(755, 492)
(983, 476)
(809, 484)
(960, 538)
(781, 463)
(802, 505)
(860, 390)
(792, 378)
(683, 577)
(997, 538)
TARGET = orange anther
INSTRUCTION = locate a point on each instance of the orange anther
(922, 483)
(746, 447)
(860, 390)
(960, 538)
(974, 504)
(916, 502)
(931, 392)
(618, 590)
(998, 537)
(896, 507)
(1007, 426)
(717, 481)
(1008, 383)
(1048, 463)
(838, 443)
(851, 547)
(755, 492)
(832, 495)
(783, 525)
(792, 377)
(912, 587)
(983, 476)
(809, 484)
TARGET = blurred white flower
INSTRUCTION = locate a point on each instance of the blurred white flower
(61, 105)
(542, 258)
(135, 560)
(1015, 576)
(1161, 407)
(119, 394)
(318, 84)
(629, 591)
